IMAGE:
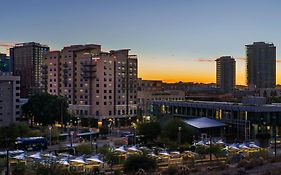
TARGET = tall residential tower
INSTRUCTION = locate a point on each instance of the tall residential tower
(261, 65)
(225, 73)
(27, 60)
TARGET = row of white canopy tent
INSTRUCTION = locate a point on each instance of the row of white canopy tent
(234, 146)
(64, 160)
(122, 149)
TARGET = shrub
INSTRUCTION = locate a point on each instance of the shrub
(19, 169)
(136, 162)
(84, 149)
(252, 163)
(176, 170)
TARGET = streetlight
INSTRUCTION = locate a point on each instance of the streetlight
(78, 123)
(91, 142)
(179, 135)
(50, 129)
(210, 148)
(7, 154)
(275, 137)
(118, 120)
(96, 146)
(71, 138)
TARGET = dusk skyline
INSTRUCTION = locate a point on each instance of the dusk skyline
(176, 41)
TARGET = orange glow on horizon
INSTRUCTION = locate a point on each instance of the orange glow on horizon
(191, 71)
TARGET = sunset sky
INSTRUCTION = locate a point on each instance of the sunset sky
(174, 40)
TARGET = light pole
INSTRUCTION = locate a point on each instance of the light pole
(71, 138)
(7, 158)
(67, 127)
(179, 135)
(61, 117)
(96, 146)
(275, 137)
(118, 120)
(210, 147)
(78, 123)
(50, 130)
(91, 140)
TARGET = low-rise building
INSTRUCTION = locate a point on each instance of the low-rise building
(9, 99)
(145, 98)
(244, 120)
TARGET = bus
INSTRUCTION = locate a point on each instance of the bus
(31, 143)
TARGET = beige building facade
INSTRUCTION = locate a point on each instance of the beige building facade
(9, 99)
(98, 85)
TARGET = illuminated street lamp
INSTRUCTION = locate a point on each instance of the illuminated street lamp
(71, 138)
(179, 135)
(50, 130)
(118, 120)
(91, 140)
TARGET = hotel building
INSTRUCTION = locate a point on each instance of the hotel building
(98, 85)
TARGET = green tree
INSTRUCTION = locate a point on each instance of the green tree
(84, 149)
(171, 131)
(150, 130)
(108, 154)
(46, 109)
(136, 162)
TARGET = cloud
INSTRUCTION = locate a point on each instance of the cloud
(7, 44)
(240, 58)
(205, 59)
(214, 59)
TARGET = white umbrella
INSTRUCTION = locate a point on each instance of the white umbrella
(19, 157)
(153, 155)
(50, 155)
(35, 156)
(120, 149)
(252, 145)
(233, 146)
(164, 153)
(200, 143)
(243, 146)
(95, 159)
(174, 152)
(65, 155)
(63, 162)
(78, 160)
(220, 142)
(133, 148)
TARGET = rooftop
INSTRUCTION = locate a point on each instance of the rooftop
(204, 122)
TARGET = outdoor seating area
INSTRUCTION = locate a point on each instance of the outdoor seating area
(163, 157)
